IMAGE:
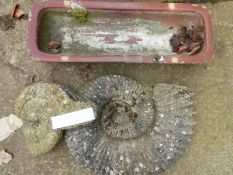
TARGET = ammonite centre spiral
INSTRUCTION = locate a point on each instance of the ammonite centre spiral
(126, 115)
(122, 120)
(136, 132)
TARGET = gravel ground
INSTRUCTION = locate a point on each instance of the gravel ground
(212, 147)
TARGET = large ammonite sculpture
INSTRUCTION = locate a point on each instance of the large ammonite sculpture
(132, 134)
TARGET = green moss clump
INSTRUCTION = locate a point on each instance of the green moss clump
(79, 13)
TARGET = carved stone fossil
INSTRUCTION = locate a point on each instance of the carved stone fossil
(36, 105)
(133, 133)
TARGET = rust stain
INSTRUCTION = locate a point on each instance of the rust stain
(133, 40)
(108, 38)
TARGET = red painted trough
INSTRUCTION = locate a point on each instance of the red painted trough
(136, 32)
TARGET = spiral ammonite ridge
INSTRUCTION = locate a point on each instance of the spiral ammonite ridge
(133, 133)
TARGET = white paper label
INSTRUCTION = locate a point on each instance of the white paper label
(73, 118)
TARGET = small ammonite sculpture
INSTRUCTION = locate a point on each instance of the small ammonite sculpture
(133, 133)
(36, 105)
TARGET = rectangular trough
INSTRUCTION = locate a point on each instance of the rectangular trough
(137, 32)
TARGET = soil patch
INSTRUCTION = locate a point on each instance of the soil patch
(7, 22)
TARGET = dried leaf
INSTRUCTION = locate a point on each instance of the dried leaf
(195, 44)
(16, 12)
(194, 50)
(54, 51)
(54, 44)
(183, 48)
